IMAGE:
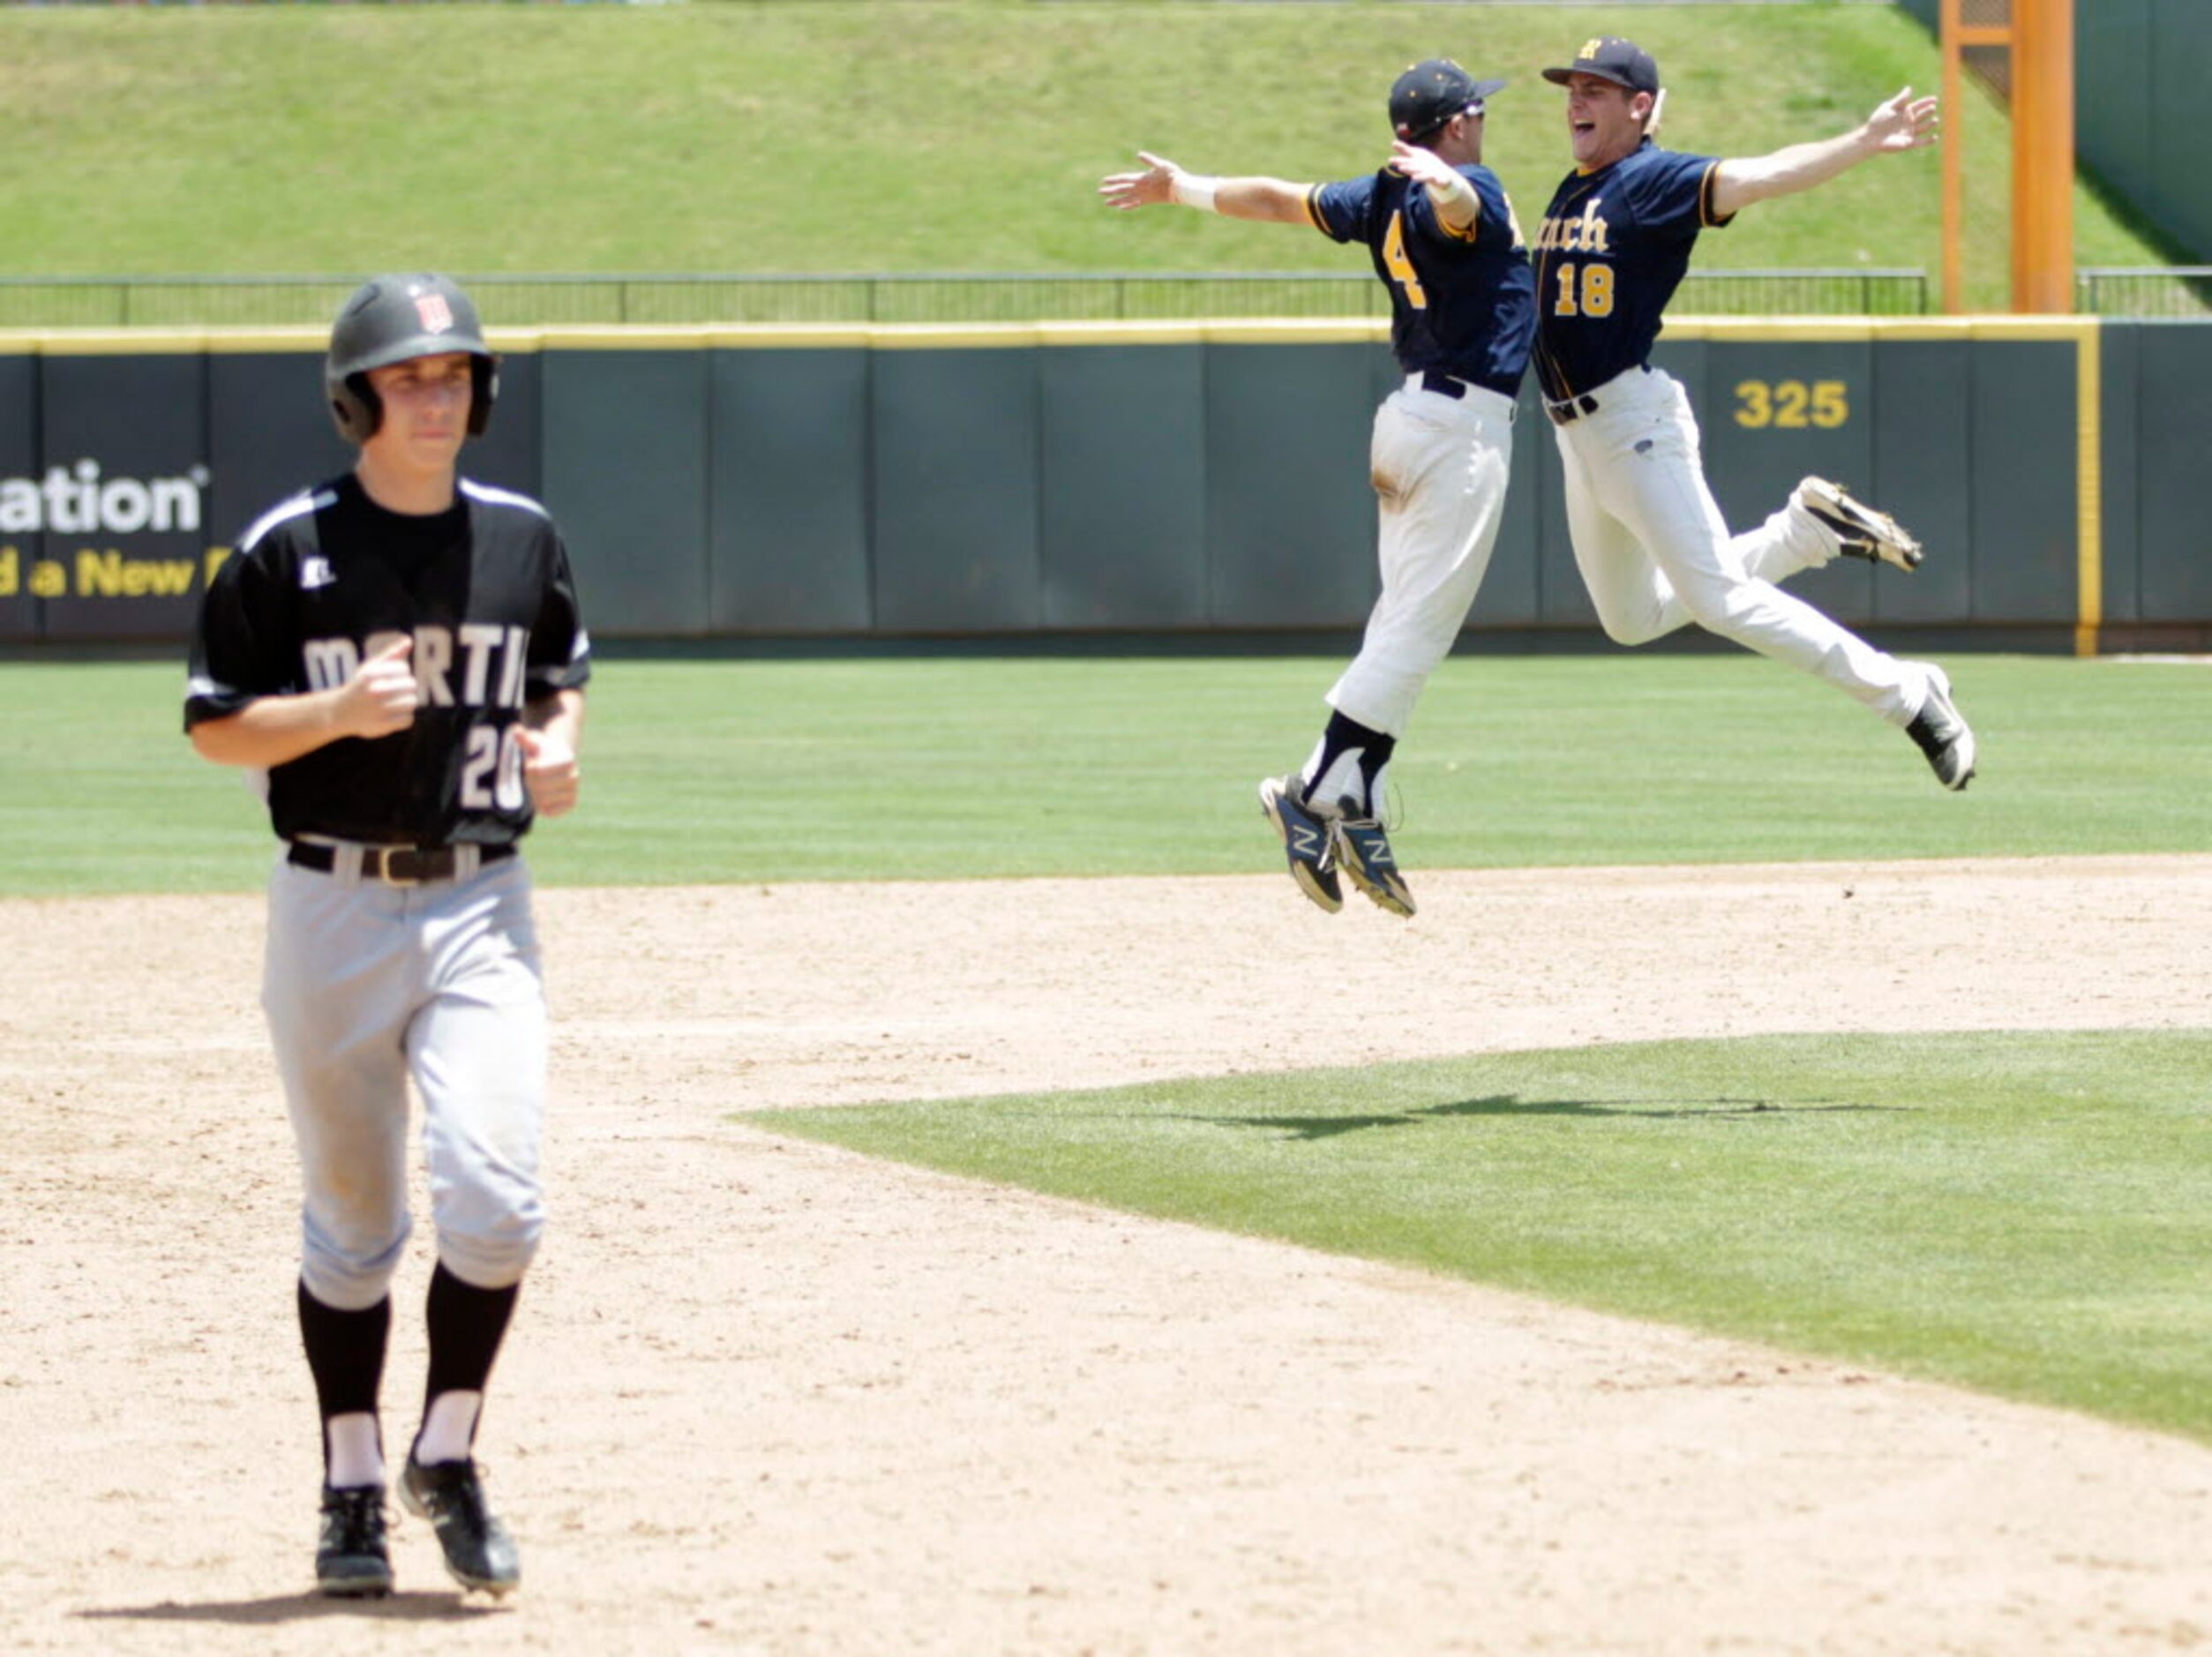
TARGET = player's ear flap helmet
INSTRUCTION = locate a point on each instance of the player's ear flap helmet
(390, 320)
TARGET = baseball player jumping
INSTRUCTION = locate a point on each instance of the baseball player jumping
(1449, 250)
(1649, 542)
(397, 657)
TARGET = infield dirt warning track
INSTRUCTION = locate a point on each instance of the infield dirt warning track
(764, 1396)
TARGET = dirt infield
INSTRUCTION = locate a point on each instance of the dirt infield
(763, 1396)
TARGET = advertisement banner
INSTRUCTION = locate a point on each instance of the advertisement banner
(117, 504)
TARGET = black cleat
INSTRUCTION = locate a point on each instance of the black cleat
(1943, 734)
(1363, 854)
(479, 1553)
(351, 1559)
(1863, 532)
(1307, 840)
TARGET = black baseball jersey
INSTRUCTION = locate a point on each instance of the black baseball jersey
(484, 591)
(1463, 305)
(1614, 247)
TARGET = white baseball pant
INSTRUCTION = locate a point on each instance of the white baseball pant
(1439, 465)
(1655, 553)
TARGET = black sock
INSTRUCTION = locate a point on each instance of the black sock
(345, 1353)
(466, 1327)
(1343, 735)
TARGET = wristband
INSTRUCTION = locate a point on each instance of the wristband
(1458, 194)
(1194, 189)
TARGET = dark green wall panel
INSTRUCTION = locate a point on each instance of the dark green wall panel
(789, 484)
(2178, 70)
(2174, 434)
(2112, 55)
(2026, 516)
(1107, 487)
(1777, 411)
(510, 455)
(268, 436)
(2120, 392)
(1561, 600)
(1290, 514)
(1123, 478)
(956, 492)
(625, 445)
(1921, 474)
(18, 459)
(1512, 592)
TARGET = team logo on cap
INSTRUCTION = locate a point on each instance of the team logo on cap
(1591, 48)
(437, 315)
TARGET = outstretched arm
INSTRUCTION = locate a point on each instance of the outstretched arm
(1273, 201)
(1905, 123)
(1457, 207)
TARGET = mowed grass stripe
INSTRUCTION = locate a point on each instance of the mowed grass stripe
(965, 767)
(2024, 1213)
(687, 138)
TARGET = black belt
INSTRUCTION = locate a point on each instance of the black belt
(1565, 413)
(1451, 386)
(396, 866)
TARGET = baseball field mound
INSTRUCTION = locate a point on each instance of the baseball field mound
(766, 1396)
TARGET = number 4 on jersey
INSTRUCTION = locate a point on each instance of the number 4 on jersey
(1401, 267)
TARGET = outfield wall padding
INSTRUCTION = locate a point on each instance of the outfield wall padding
(1211, 477)
(2155, 472)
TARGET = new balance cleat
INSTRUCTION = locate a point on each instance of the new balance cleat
(1864, 532)
(1363, 854)
(351, 1559)
(1306, 841)
(1943, 733)
(479, 1553)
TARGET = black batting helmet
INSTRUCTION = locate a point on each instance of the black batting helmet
(390, 320)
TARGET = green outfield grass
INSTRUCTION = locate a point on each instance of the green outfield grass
(2028, 1213)
(859, 135)
(958, 767)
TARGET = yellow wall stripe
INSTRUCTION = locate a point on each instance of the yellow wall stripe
(2089, 467)
(925, 335)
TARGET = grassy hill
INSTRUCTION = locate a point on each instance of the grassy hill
(858, 135)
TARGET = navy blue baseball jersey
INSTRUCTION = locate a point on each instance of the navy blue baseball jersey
(1613, 249)
(1462, 305)
(484, 591)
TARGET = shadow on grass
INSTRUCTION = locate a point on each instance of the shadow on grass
(275, 1608)
(1513, 1105)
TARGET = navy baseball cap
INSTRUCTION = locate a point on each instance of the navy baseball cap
(1432, 91)
(1610, 57)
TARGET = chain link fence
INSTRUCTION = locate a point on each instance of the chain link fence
(110, 302)
(2175, 290)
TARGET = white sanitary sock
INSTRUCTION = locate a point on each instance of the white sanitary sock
(448, 1429)
(356, 1452)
